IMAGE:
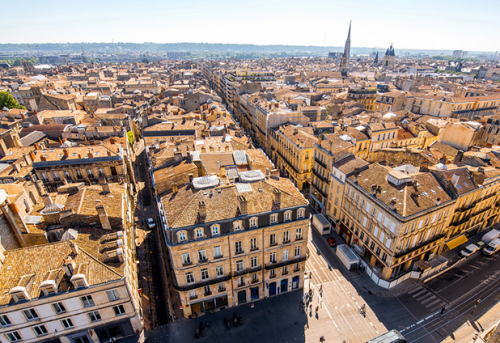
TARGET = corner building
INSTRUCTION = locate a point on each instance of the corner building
(231, 243)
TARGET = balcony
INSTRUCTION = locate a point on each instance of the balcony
(255, 280)
(284, 273)
(241, 284)
(285, 263)
(208, 293)
(201, 284)
(254, 249)
(201, 260)
(246, 271)
(286, 241)
(238, 252)
(272, 276)
(222, 289)
(217, 257)
(325, 180)
(319, 162)
(272, 244)
(187, 263)
(193, 296)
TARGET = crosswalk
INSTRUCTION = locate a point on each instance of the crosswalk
(426, 298)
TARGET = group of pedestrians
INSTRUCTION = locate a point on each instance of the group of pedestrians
(307, 299)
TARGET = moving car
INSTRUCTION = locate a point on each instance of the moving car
(151, 223)
(331, 241)
(469, 250)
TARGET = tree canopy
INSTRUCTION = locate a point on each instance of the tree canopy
(7, 100)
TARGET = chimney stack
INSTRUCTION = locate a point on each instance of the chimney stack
(66, 152)
(32, 156)
(202, 213)
(174, 188)
(438, 201)
(74, 248)
(69, 266)
(275, 174)
(392, 204)
(243, 205)
(268, 173)
(277, 197)
(43, 158)
(103, 217)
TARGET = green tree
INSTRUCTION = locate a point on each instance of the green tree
(131, 137)
(7, 100)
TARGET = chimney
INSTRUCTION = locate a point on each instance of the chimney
(27, 159)
(47, 200)
(223, 171)
(69, 266)
(17, 166)
(202, 211)
(374, 190)
(32, 156)
(243, 205)
(90, 155)
(66, 152)
(438, 201)
(454, 180)
(74, 248)
(105, 187)
(103, 217)
(3, 148)
(43, 158)
(112, 140)
(36, 146)
(174, 188)
(458, 158)
(268, 173)
(277, 197)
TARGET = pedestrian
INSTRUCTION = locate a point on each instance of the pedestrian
(311, 308)
(478, 301)
(443, 309)
(320, 288)
(474, 309)
(317, 309)
(310, 275)
(321, 293)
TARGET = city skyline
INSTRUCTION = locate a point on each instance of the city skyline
(374, 25)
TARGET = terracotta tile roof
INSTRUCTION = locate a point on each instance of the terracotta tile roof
(31, 266)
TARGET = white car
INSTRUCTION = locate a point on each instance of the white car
(469, 250)
(151, 223)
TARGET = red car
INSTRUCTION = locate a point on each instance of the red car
(331, 241)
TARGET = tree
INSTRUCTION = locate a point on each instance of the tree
(131, 137)
(7, 100)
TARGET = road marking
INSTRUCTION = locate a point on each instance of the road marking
(416, 289)
(432, 297)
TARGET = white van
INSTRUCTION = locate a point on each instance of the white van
(492, 248)
(321, 224)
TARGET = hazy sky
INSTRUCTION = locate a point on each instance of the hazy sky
(424, 24)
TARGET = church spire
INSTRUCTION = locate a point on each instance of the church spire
(376, 59)
(347, 47)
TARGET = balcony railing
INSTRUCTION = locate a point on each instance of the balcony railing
(193, 296)
(187, 263)
(324, 179)
(238, 252)
(201, 284)
(320, 162)
(208, 293)
(255, 280)
(272, 276)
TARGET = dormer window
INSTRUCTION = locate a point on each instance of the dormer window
(274, 218)
(19, 294)
(215, 230)
(288, 215)
(237, 225)
(199, 233)
(79, 281)
(301, 213)
(253, 222)
(48, 287)
(182, 236)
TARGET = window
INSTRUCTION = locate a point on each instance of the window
(297, 267)
(301, 213)
(384, 257)
(199, 233)
(30, 314)
(255, 278)
(202, 255)
(87, 301)
(189, 277)
(217, 252)
(372, 246)
(238, 247)
(286, 236)
(182, 236)
(237, 225)
(204, 274)
(207, 290)
(285, 255)
(254, 262)
(67, 323)
(219, 271)
(215, 230)
(113, 295)
(241, 281)
(90, 174)
(4, 321)
(253, 244)
(222, 287)
(40, 330)
(378, 251)
(186, 258)
(298, 234)
(253, 222)
(273, 239)
(119, 310)
(297, 251)
(274, 218)
(288, 215)
(14, 336)
(272, 257)
(239, 266)
(100, 171)
(284, 270)
(272, 273)
(94, 316)
(59, 308)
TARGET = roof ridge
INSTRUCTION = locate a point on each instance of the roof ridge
(185, 208)
(96, 260)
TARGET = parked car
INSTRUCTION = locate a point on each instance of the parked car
(151, 223)
(331, 241)
(469, 250)
(481, 245)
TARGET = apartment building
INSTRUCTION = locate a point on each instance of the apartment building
(329, 149)
(455, 107)
(231, 243)
(292, 152)
(492, 130)
(395, 217)
(365, 96)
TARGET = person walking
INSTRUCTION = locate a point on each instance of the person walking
(317, 309)
(443, 309)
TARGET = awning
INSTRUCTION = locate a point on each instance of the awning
(456, 242)
(423, 264)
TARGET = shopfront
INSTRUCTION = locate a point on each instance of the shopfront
(209, 304)
(344, 233)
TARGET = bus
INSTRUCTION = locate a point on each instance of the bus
(393, 336)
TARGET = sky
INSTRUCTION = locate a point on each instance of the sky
(409, 24)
